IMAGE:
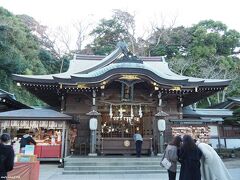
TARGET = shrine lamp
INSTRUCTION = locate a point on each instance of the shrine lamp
(93, 124)
(161, 125)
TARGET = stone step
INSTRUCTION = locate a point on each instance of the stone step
(112, 158)
(116, 172)
(112, 163)
(127, 167)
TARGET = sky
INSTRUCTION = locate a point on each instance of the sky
(54, 13)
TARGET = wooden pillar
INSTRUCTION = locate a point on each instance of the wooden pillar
(66, 140)
(63, 139)
(62, 103)
(180, 107)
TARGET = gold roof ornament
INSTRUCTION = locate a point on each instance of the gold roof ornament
(129, 77)
(176, 88)
(82, 86)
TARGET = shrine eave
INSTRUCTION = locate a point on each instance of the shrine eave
(35, 114)
(115, 73)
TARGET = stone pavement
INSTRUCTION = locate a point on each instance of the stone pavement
(52, 172)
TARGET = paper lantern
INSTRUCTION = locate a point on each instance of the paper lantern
(93, 124)
(161, 125)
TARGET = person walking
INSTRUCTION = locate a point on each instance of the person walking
(189, 157)
(138, 142)
(6, 156)
(171, 155)
(212, 167)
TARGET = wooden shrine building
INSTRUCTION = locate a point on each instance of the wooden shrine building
(124, 93)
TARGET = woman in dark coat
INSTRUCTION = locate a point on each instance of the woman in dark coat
(189, 157)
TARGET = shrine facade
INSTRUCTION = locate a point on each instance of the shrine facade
(125, 93)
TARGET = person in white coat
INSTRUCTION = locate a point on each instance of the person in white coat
(212, 167)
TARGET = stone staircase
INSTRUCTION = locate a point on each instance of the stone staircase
(112, 165)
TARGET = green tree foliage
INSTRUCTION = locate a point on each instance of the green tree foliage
(211, 38)
(169, 42)
(106, 35)
(235, 119)
(48, 61)
(110, 31)
(21, 53)
(213, 49)
(210, 53)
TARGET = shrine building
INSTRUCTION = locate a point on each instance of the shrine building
(123, 93)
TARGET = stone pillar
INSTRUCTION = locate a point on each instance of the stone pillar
(93, 126)
(93, 123)
(160, 117)
(161, 124)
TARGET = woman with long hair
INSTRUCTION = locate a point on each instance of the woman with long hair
(189, 157)
(171, 155)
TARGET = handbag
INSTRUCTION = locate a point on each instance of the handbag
(166, 163)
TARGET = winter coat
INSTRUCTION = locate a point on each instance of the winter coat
(190, 164)
(6, 159)
(212, 167)
(171, 155)
(26, 140)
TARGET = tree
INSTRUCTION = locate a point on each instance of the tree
(110, 31)
(82, 27)
(18, 54)
(47, 40)
(106, 35)
(235, 119)
(127, 22)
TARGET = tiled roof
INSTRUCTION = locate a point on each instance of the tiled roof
(198, 112)
(34, 114)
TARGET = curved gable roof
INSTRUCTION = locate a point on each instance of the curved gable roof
(93, 69)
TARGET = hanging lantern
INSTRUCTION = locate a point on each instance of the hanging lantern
(140, 111)
(110, 111)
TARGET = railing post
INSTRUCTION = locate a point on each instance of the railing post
(102, 146)
(151, 148)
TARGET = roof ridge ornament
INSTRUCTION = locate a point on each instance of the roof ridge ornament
(128, 56)
(124, 47)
